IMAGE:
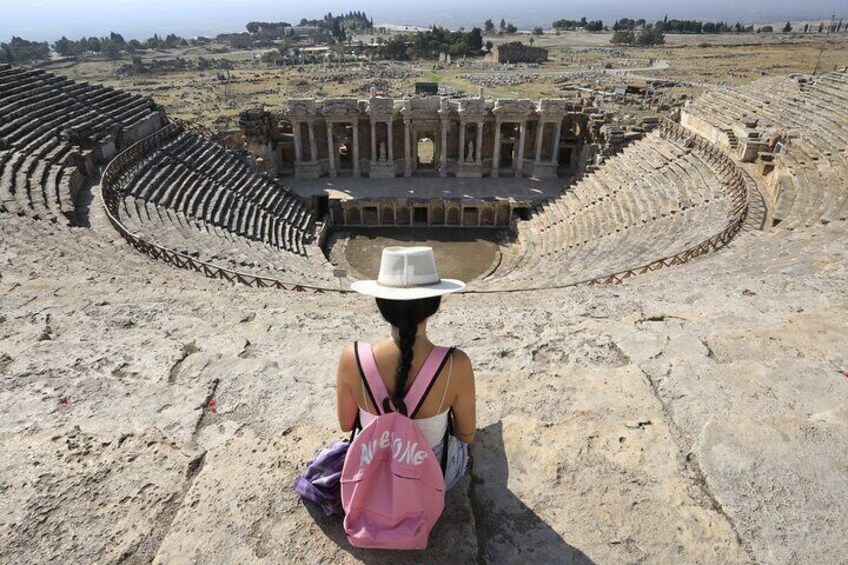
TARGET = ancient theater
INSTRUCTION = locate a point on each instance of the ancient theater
(655, 303)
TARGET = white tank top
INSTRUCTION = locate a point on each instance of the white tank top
(433, 428)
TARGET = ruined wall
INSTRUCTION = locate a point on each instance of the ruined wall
(471, 213)
(517, 52)
(705, 129)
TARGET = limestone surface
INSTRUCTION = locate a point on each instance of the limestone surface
(693, 415)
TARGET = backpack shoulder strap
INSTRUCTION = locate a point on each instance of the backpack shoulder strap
(374, 385)
(426, 378)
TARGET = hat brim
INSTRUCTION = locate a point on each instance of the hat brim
(372, 288)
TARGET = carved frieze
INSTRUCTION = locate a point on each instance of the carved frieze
(304, 109)
(340, 109)
(513, 110)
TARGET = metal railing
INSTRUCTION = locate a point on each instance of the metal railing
(738, 184)
(129, 161)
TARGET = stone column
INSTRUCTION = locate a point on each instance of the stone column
(519, 166)
(298, 150)
(479, 152)
(313, 145)
(390, 141)
(443, 150)
(356, 148)
(407, 154)
(461, 141)
(331, 149)
(555, 142)
(373, 141)
(413, 131)
(496, 157)
(539, 134)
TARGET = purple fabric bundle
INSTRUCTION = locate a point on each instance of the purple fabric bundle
(321, 484)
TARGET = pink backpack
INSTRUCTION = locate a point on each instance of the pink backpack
(393, 488)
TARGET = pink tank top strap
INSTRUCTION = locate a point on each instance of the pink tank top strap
(376, 388)
(370, 373)
(425, 379)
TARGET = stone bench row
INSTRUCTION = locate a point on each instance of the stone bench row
(819, 194)
(156, 191)
(40, 184)
(630, 185)
(789, 107)
(628, 248)
(815, 156)
(178, 232)
(223, 166)
(34, 178)
(173, 186)
(652, 200)
(203, 181)
(607, 221)
(32, 101)
(64, 113)
(36, 102)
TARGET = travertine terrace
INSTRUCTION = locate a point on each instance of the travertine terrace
(659, 349)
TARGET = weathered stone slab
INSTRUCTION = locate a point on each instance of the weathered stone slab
(591, 490)
(783, 481)
(240, 509)
(72, 497)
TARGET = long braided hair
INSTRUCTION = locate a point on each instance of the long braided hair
(405, 315)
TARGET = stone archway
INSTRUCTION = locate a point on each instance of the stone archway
(509, 146)
(343, 137)
(425, 153)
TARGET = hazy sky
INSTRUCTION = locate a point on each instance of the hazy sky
(50, 19)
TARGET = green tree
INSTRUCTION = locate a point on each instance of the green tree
(502, 25)
(64, 47)
(489, 26)
(94, 45)
(787, 28)
(538, 30)
(111, 49)
(624, 24)
(650, 36)
(22, 51)
(510, 28)
(394, 48)
(270, 57)
(475, 39)
(623, 37)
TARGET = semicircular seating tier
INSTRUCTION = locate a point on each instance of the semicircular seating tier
(186, 193)
(53, 134)
(659, 197)
(799, 126)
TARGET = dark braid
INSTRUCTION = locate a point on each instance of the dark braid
(405, 315)
(407, 341)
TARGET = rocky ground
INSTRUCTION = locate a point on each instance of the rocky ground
(694, 415)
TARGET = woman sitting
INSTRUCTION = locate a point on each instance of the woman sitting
(408, 291)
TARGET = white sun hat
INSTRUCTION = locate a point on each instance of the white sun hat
(407, 273)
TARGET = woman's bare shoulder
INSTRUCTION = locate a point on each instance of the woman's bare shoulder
(347, 353)
(462, 363)
(347, 361)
